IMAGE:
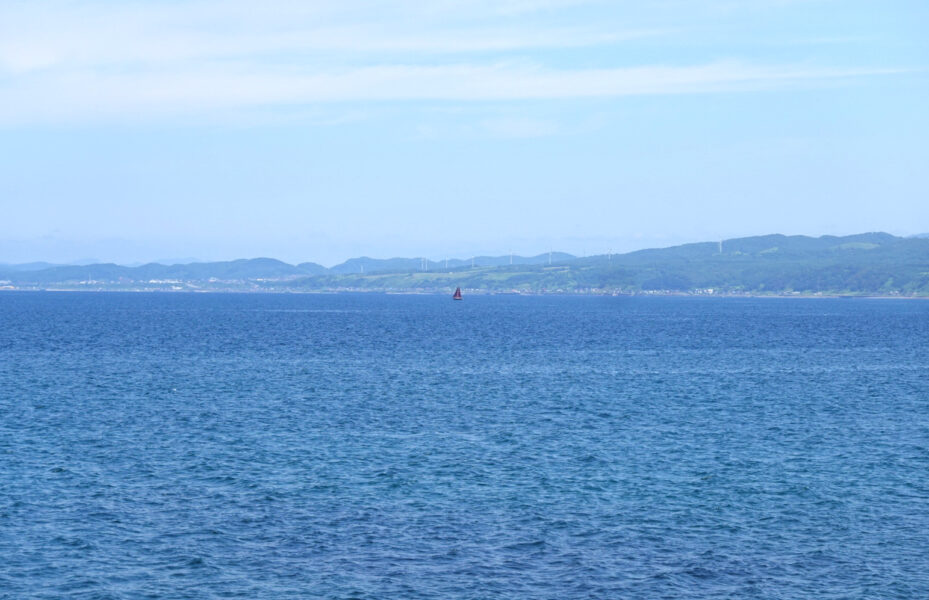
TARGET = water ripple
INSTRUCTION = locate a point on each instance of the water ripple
(373, 446)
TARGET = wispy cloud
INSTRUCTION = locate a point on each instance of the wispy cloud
(94, 94)
(21, 54)
(98, 60)
(64, 35)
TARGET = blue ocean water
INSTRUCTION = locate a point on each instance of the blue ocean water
(375, 446)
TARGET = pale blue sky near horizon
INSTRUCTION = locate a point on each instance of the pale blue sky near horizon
(316, 131)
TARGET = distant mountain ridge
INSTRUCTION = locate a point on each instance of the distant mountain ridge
(33, 266)
(864, 264)
(365, 264)
(254, 268)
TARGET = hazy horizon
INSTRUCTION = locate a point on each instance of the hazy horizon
(589, 250)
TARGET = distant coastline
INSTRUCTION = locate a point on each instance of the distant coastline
(468, 292)
(870, 265)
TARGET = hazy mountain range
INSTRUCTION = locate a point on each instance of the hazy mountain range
(250, 269)
(869, 263)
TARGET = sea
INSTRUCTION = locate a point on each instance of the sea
(369, 446)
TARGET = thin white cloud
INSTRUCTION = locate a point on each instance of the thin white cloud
(102, 94)
(37, 36)
(73, 49)
(67, 61)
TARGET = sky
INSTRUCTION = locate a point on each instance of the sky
(133, 131)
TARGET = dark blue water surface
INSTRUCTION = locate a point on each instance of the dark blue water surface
(373, 446)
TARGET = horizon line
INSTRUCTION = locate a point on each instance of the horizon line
(193, 261)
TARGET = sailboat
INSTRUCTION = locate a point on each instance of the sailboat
(457, 295)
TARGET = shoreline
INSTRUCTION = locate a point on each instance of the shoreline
(474, 292)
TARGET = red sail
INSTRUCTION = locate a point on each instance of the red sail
(457, 295)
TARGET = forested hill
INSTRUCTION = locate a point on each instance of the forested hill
(864, 264)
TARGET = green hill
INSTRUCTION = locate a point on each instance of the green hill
(864, 264)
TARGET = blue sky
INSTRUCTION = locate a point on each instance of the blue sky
(133, 131)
